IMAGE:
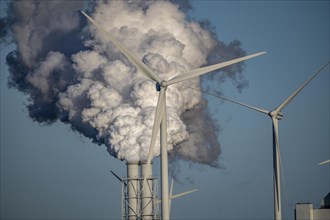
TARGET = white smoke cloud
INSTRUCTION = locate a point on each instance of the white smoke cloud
(37, 20)
(170, 45)
(76, 75)
(55, 63)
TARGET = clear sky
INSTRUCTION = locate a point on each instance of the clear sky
(50, 172)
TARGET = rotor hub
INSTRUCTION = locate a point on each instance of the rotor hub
(278, 115)
(161, 84)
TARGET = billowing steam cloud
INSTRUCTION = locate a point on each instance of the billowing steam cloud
(74, 74)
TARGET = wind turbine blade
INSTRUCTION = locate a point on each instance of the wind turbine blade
(324, 162)
(207, 69)
(235, 102)
(137, 62)
(120, 179)
(171, 189)
(183, 194)
(158, 118)
(289, 99)
(169, 201)
(177, 195)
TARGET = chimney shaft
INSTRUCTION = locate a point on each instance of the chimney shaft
(133, 189)
(147, 193)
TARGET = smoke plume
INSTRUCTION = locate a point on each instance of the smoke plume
(72, 73)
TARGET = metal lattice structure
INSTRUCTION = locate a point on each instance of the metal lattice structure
(137, 205)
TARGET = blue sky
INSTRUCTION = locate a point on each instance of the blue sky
(50, 172)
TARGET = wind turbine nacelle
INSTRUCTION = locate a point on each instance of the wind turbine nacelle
(162, 84)
(158, 87)
(279, 115)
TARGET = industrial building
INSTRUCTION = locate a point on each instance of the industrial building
(305, 211)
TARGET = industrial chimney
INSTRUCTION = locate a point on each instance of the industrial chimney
(138, 203)
(147, 193)
(132, 191)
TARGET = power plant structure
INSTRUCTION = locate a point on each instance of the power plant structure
(160, 125)
(139, 202)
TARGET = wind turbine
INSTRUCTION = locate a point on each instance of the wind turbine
(324, 162)
(160, 116)
(275, 115)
